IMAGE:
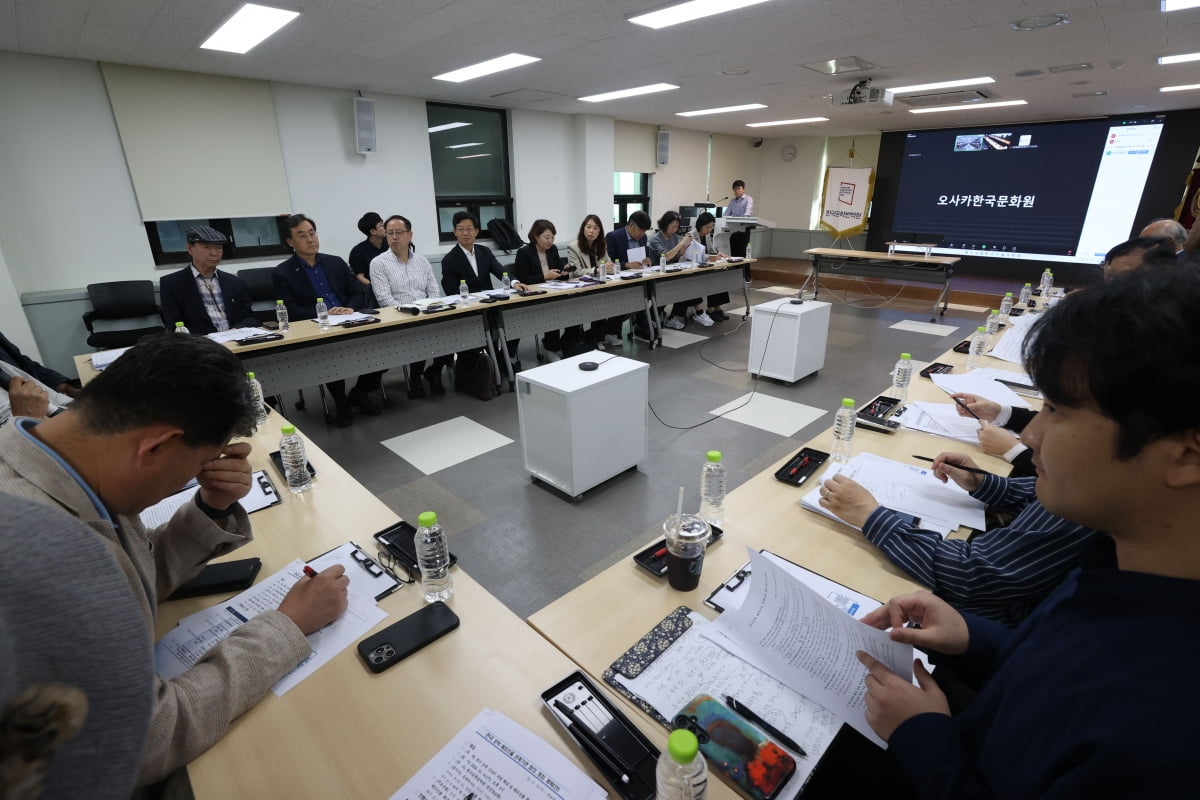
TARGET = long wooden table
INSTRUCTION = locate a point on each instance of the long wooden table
(872, 264)
(345, 732)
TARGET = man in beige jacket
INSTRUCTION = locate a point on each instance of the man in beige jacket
(164, 413)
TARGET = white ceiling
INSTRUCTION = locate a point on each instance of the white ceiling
(587, 47)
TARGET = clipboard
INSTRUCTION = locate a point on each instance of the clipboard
(366, 574)
(262, 494)
(635, 660)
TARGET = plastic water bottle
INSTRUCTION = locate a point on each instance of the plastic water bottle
(256, 394)
(712, 490)
(662, 263)
(433, 556)
(281, 316)
(1047, 283)
(181, 328)
(992, 327)
(1006, 306)
(748, 253)
(682, 773)
(505, 280)
(1026, 294)
(464, 291)
(322, 314)
(978, 343)
(901, 377)
(843, 431)
(295, 461)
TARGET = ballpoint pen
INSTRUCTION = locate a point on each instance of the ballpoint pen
(965, 408)
(972, 470)
(771, 730)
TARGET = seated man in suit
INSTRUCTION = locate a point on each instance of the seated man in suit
(162, 414)
(310, 274)
(619, 242)
(28, 389)
(202, 297)
(474, 264)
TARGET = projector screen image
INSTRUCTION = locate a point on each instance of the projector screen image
(1064, 191)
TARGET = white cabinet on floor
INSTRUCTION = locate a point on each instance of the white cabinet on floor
(787, 341)
(581, 427)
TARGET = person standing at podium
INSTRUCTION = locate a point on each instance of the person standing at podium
(742, 205)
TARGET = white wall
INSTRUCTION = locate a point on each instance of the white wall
(634, 147)
(542, 168)
(683, 180)
(68, 216)
(594, 148)
(788, 190)
(735, 158)
(16, 325)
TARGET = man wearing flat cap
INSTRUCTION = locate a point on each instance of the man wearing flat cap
(202, 297)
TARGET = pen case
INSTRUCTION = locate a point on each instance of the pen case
(801, 466)
(650, 560)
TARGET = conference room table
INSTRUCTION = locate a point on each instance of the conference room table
(897, 266)
(343, 731)
(598, 621)
(307, 356)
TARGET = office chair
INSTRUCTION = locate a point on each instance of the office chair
(122, 312)
(262, 291)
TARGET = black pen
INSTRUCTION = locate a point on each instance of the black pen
(766, 726)
(965, 408)
(972, 470)
(599, 747)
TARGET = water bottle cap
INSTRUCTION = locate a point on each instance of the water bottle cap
(505, 274)
(426, 519)
(906, 356)
(847, 402)
(1029, 284)
(178, 324)
(1009, 294)
(981, 329)
(320, 299)
(287, 430)
(682, 745)
(278, 302)
(714, 456)
(995, 311)
(250, 375)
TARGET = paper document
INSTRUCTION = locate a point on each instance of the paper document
(940, 419)
(635, 255)
(338, 319)
(495, 757)
(262, 494)
(101, 360)
(236, 334)
(695, 252)
(196, 634)
(1010, 344)
(730, 594)
(906, 488)
(560, 285)
(789, 631)
(980, 384)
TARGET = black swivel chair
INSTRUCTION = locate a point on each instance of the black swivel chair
(122, 312)
(262, 291)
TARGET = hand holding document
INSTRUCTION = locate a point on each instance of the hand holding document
(981, 383)
(634, 256)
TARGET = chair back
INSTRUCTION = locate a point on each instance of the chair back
(261, 286)
(122, 313)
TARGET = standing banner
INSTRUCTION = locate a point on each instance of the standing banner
(845, 199)
(1189, 209)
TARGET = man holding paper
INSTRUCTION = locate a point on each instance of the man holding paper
(1079, 701)
(162, 414)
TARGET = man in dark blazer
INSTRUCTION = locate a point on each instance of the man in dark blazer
(618, 242)
(310, 274)
(202, 297)
(457, 266)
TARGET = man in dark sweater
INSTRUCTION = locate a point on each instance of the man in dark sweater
(1088, 697)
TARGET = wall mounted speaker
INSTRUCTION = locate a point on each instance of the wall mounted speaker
(664, 148)
(364, 125)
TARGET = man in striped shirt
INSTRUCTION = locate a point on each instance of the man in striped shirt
(1001, 574)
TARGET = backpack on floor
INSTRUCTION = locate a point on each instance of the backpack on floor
(504, 235)
(475, 374)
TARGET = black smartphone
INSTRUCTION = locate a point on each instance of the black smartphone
(400, 640)
(277, 459)
(398, 539)
(228, 576)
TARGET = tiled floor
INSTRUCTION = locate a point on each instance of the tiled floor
(528, 544)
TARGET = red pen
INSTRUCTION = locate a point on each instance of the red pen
(309, 571)
(660, 552)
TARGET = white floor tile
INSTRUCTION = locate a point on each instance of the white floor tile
(931, 328)
(782, 417)
(445, 444)
(784, 290)
(677, 339)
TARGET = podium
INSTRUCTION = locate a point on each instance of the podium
(730, 225)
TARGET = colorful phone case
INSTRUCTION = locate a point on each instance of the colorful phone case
(734, 747)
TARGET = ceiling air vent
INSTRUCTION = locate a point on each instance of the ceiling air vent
(949, 98)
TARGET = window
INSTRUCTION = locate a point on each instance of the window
(469, 150)
(631, 192)
(252, 237)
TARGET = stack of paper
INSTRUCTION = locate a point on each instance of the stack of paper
(101, 360)
(980, 383)
(940, 419)
(941, 507)
(236, 334)
(1011, 343)
(338, 319)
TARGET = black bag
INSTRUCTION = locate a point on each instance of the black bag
(475, 374)
(504, 235)
(573, 342)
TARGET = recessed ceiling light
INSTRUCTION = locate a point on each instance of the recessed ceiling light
(1070, 67)
(500, 64)
(786, 122)
(736, 71)
(923, 87)
(250, 25)
(1042, 21)
(1179, 5)
(1027, 73)
(686, 12)
(724, 110)
(475, 155)
(1182, 88)
(450, 126)
(459, 146)
(965, 106)
(840, 66)
(634, 92)
(1179, 59)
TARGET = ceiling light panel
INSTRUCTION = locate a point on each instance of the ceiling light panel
(1182, 58)
(686, 12)
(1181, 88)
(966, 106)
(724, 110)
(804, 121)
(1179, 5)
(248, 27)
(634, 92)
(928, 87)
(490, 67)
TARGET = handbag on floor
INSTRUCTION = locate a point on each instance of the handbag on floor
(475, 374)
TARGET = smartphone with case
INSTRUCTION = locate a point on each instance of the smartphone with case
(734, 747)
(398, 641)
(221, 578)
